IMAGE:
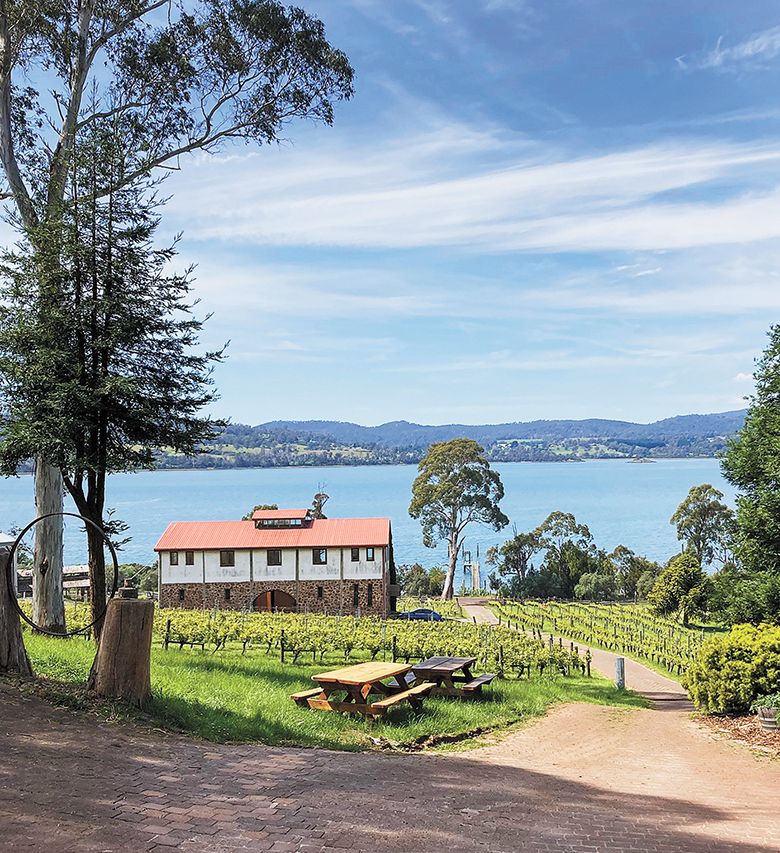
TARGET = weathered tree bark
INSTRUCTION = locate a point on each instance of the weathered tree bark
(13, 655)
(48, 604)
(121, 667)
(452, 563)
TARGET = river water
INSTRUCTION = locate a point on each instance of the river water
(621, 502)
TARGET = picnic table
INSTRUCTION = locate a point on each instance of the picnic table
(450, 676)
(360, 682)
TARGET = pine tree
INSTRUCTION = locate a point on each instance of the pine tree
(101, 365)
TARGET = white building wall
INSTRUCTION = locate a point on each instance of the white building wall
(363, 569)
(308, 571)
(226, 574)
(264, 572)
(181, 573)
(208, 562)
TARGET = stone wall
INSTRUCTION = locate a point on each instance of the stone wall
(332, 597)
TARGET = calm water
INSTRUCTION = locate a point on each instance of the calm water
(620, 502)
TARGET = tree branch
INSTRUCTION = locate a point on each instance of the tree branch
(61, 157)
(16, 182)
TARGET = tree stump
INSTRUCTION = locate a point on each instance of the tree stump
(13, 655)
(121, 667)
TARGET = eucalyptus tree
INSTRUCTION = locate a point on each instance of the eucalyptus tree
(102, 366)
(173, 77)
(513, 559)
(705, 524)
(455, 487)
(568, 547)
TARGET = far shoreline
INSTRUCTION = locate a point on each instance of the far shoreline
(624, 459)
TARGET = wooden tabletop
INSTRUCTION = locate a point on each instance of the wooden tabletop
(442, 664)
(363, 673)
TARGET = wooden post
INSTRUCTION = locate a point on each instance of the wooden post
(281, 646)
(168, 635)
(121, 666)
(13, 656)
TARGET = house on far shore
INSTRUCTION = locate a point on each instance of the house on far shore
(279, 560)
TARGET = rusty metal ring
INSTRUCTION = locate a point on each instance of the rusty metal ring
(12, 586)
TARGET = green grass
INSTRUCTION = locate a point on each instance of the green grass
(226, 697)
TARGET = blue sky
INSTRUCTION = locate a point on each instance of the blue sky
(529, 210)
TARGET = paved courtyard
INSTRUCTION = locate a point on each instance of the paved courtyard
(583, 778)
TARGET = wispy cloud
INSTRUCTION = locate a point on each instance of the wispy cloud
(754, 51)
(459, 186)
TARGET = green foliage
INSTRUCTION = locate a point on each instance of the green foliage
(740, 596)
(732, 670)
(705, 524)
(771, 700)
(680, 589)
(752, 464)
(629, 568)
(513, 559)
(646, 582)
(448, 609)
(596, 586)
(417, 581)
(569, 551)
(454, 488)
(143, 577)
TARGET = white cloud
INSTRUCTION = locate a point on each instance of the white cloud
(743, 377)
(760, 46)
(454, 185)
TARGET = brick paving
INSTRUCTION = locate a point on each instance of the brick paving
(583, 778)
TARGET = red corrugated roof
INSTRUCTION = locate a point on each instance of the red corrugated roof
(322, 533)
(279, 513)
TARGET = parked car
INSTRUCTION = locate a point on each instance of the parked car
(422, 614)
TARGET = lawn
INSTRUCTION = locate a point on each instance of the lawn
(229, 697)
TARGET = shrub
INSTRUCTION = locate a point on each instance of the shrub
(770, 701)
(732, 670)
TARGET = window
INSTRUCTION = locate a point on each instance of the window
(274, 557)
(370, 595)
(319, 593)
(355, 555)
(174, 558)
(355, 595)
(189, 558)
(227, 558)
(227, 593)
(319, 556)
(181, 595)
(370, 555)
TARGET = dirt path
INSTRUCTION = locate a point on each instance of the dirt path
(583, 778)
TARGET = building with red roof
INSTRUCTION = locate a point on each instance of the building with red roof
(279, 560)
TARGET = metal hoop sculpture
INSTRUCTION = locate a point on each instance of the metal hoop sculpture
(12, 586)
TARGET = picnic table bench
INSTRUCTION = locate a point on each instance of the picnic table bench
(360, 682)
(450, 676)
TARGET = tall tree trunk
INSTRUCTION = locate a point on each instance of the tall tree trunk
(48, 606)
(449, 580)
(97, 574)
(13, 656)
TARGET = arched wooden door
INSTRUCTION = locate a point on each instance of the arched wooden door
(275, 600)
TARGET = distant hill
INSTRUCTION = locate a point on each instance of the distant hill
(406, 434)
(295, 443)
